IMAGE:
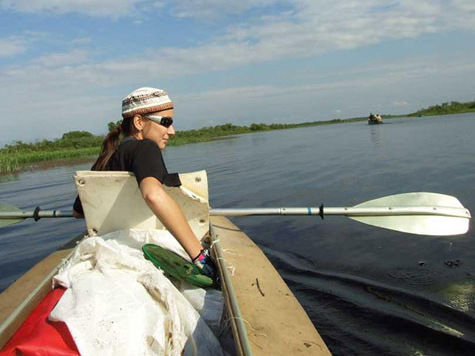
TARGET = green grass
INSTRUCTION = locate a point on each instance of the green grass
(12, 162)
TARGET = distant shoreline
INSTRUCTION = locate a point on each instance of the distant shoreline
(81, 144)
(21, 157)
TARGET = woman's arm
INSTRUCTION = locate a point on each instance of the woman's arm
(170, 214)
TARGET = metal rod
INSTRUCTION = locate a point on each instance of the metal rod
(236, 317)
(31, 214)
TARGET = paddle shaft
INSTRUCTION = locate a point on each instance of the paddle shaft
(35, 214)
(346, 211)
(321, 211)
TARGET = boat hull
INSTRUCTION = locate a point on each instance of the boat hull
(263, 314)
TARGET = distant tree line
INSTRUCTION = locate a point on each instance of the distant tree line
(85, 139)
(453, 107)
(69, 140)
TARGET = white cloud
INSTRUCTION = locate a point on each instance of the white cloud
(324, 25)
(62, 59)
(81, 41)
(317, 23)
(210, 9)
(72, 73)
(11, 46)
(309, 28)
(115, 8)
(119, 8)
(466, 5)
(313, 28)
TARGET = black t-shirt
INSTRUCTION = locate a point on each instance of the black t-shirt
(141, 157)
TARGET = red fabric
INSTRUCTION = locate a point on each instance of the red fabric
(38, 336)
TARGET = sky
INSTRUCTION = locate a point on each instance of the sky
(66, 64)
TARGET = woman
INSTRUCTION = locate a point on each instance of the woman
(146, 126)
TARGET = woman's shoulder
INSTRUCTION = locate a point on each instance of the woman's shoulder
(133, 149)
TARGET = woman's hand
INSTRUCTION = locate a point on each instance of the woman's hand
(206, 263)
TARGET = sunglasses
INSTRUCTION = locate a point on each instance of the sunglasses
(165, 121)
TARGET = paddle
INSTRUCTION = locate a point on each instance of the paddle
(417, 213)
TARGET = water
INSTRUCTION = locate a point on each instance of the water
(369, 291)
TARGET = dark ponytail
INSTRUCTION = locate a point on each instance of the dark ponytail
(110, 144)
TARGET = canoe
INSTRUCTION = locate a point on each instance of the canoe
(261, 312)
(375, 119)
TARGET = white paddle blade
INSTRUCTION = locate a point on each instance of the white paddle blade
(434, 225)
(419, 224)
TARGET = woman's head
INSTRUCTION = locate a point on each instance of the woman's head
(148, 113)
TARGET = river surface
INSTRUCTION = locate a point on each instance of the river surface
(369, 291)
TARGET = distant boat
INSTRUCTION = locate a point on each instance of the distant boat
(375, 119)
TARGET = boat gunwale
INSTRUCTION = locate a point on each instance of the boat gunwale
(241, 340)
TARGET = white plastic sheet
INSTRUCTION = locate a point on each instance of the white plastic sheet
(118, 303)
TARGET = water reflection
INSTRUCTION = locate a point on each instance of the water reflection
(376, 135)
